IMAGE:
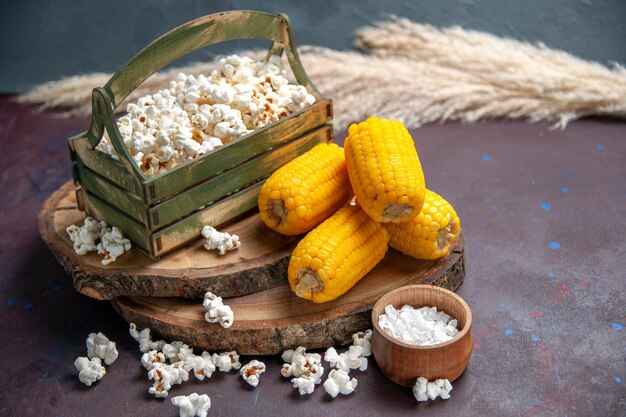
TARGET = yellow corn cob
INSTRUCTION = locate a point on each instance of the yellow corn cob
(385, 170)
(306, 191)
(431, 234)
(335, 255)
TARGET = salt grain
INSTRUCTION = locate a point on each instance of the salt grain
(423, 326)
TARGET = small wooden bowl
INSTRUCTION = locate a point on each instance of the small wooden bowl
(404, 363)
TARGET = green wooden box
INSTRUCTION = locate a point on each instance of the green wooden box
(163, 212)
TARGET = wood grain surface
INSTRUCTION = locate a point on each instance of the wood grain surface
(260, 263)
(267, 322)
(274, 320)
(403, 363)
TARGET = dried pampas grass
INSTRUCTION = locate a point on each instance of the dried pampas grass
(501, 77)
(419, 74)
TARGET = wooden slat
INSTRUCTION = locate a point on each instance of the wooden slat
(101, 210)
(193, 35)
(236, 152)
(127, 202)
(236, 178)
(217, 214)
(106, 166)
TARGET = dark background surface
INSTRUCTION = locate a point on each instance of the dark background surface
(46, 40)
(543, 216)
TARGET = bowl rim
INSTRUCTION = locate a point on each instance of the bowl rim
(455, 339)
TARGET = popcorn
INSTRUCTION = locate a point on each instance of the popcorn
(145, 341)
(226, 361)
(169, 364)
(149, 360)
(339, 382)
(89, 370)
(336, 361)
(112, 245)
(217, 311)
(84, 238)
(424, 390)
(351, 359)
(239, 96)
(355, 359)
(222, 241)
(176, 351)
(423, 326)
(192, 405)
(305, 367)
(305, 384)
(99, 346)
(363, 339)
(252, 371)
(202, 366)
(164, 376)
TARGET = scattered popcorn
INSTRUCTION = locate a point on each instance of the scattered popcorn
(286, 370)
(424, 390)
(198, 114)
(351, 359)
(177, 351)
(339, 382)
(192, 405)
(336, 361)
(150, 359)
(89, 370)
(226, 361)
(202, 366)
(423, 326)
(305, 384)
(99, 346)
(363, 339)
(164, 376)
(355, 358)
(145, 341)
(217, 312)
(252, 372)
(305, 367)
(112, 245)
(112, 242)
(221, 241)
(84, 238)
(171, 363)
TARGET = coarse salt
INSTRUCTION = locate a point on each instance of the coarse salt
(422, 326)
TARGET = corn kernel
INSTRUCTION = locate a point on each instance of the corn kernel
(427, 236)
(306, 191)
(384, 167)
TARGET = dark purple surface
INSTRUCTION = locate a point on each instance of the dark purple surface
(543, 214)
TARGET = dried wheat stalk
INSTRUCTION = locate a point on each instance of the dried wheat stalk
(419, 74)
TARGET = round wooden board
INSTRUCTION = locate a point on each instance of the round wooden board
(269, 318)
(260, 263)
(273, 320)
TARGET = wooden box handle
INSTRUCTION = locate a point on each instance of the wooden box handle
(196, 34)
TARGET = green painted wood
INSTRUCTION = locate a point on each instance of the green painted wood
(194, 35)
(130, 203)
(104, 115)
(117, 191)
(105, 165)
(184, 39)
(236, 178)
(160, 187)
(100, 209)
(217, 214)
